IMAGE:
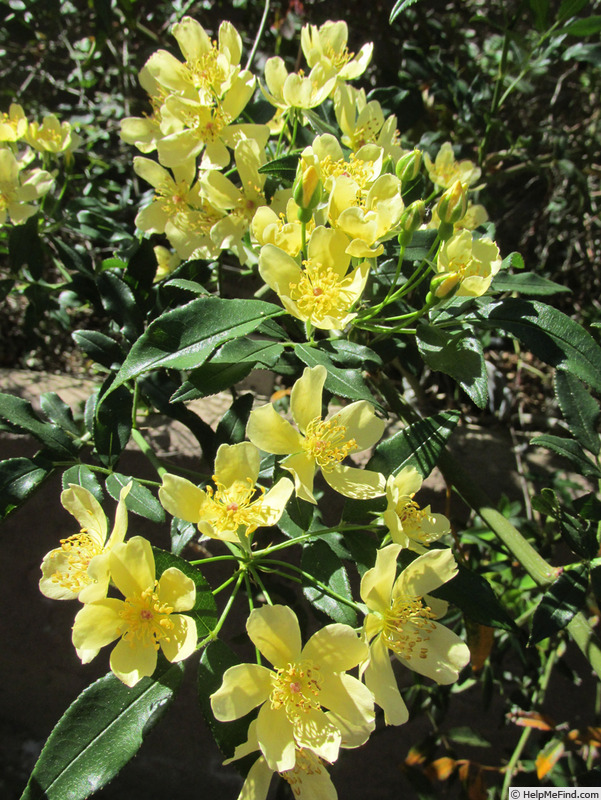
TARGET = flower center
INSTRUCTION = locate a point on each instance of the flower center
(407, 627)
(233, 506)
(146, 619)
(80, 550)
(326, 442)
(296, 689)
(318, 292)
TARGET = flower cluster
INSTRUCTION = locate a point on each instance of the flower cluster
(22, 184)
(148, 617)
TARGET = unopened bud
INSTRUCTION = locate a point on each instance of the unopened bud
(306, 190)
(453, 204)
(387, 166)
(444, 286)
(411, 219)
(408, 166)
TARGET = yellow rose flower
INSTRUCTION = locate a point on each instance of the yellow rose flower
(320, 444)
(308, 779)
(294, 695)
(322, 292)
(18, 187)
(409, 525)
(281, 230)
(13, 126)
(401, 619)
(144, 621)
(79, 567)
(232, 507)
(295, 90)
(467, 265)
(52, 136)
(327, 45)
(445, 170)
(167, 262)
(363, 122)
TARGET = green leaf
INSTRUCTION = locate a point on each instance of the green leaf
(340, 382)
(112, 422)
(99, 347)
(19, 478)
(283, 167)
(458, 355)
(25, 247)
(526, 283)
(318, 124)
(83, 476)
(121, 303)
(350, 354)
(589, 26)
(204, 610)
(419, 445)
(588, 506)
(581, 411)
(465, 735)
(182, 533)
(571, 450)
(560, 603)
(230, 364)
(18, 416)
(140, 499)
(472, 593)
(185, 337)
(550, 335)
(215, 660)
(320, 561)
(299, 518)
(58, 412)
(398, 7)
(232, 428)
(581, 536)
(569, 8)
(99, 733)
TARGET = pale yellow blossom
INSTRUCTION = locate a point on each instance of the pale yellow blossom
(294, 90)
(322, 292)
(401, 620)
(465, 266)
(237, 506)
(13, 125)
(308, 778)
(19, 187)
(318, 443)
(79, 567)
(445, 170)
(327, 45)
(294, 696)
(146, 620)
(409, 525)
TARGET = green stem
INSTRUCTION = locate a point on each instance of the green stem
(148, 452)
(215, 632)
(267, 551)
(326, 589)
(259, 35)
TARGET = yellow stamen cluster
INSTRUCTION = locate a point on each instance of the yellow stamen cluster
(326, 442)
(146, 618)
(356, 168)
(296, 689)
(307, 763)
(207, 73)
(80, 549)
(318, 292)
(338, 58)
(407, 628)
(234, 507)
